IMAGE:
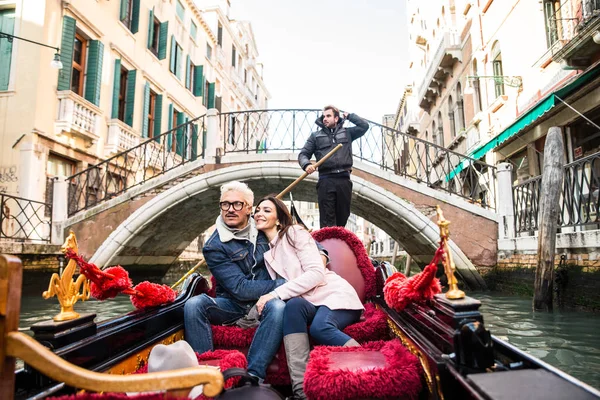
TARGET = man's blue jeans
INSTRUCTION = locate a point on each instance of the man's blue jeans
(200, 312)
(325, 324)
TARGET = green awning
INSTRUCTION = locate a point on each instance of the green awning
(526, 119)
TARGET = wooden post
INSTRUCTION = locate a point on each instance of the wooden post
(407, 266)
(395, 253)
(552, 184)
(11, 277)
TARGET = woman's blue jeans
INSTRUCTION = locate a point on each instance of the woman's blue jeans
(325, 324)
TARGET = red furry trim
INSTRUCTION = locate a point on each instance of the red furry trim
(117, 396)
(232, 336)
(364, 263)
(374, 326)
(400, 377)
(147, 294)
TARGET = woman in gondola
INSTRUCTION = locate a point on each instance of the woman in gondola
(315, 295)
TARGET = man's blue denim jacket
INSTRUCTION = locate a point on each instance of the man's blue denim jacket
(240, 271)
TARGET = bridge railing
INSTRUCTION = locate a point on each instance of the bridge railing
(261, 131)
(24, 219)
(132, 167)
(579, 202)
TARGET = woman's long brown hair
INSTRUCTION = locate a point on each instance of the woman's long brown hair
(283, 215)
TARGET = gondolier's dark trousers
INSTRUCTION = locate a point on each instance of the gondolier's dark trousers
(335, 196)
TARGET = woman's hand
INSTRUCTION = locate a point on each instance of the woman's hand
(260, 304)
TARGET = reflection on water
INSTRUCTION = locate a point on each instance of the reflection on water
(567, 340)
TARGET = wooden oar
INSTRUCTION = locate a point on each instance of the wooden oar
(305, 174)
(194, 268)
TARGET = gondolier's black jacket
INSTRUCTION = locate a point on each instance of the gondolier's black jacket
(323, 141)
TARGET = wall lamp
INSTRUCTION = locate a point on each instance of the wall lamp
(514, 81)
(55, 63)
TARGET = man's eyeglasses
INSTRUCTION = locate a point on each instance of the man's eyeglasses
(237, 205)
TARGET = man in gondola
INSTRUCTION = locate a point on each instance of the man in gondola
(234, 255)
(334, 188)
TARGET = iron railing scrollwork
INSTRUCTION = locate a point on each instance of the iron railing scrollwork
(24, 219)
(567, 18)
(134, 166)
(259, 131)
(579, 201)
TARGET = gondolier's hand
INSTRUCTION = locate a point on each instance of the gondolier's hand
(310, 169)
(345, 115)
(260, 304)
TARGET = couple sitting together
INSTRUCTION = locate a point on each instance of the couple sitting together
(270, 267)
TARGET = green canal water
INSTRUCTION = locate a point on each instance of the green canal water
(568, 340)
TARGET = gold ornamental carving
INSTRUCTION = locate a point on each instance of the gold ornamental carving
(64, 288)
(453, 292)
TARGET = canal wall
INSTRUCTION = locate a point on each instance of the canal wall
(35, 257)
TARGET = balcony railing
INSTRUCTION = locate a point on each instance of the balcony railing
(120, 137)
(579, 202)
(572, 19)
(23, 219)
(77, 115)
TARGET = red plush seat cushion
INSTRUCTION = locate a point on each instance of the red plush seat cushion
(376, 370)
(372, 326)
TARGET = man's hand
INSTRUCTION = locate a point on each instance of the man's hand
(260, 304)
(345, 115)
(310, 169)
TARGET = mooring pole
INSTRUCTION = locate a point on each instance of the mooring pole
(552, 184)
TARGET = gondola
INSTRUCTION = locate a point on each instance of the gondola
(458, 358)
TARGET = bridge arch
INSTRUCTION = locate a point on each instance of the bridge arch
(155, 234)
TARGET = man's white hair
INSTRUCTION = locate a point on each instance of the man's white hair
(241, 187)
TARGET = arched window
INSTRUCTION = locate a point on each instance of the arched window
(497, 68)
(440, 132)
(476, 89)
(451, 117)
(434, 138)
(460, 110)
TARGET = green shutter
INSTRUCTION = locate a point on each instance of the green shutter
(198, 80)
(194, 154)
(162, 40)
(130, 97)
(169, 127)
(93, 83)
(66, 53)
(150, 28)
(211, 95)
(157, 118)
(180, 147)
(123, 11)
(135, 16)
(116, 89)
(7, 23)
(178, 61)
(173, 50)
(187, 72)
(146, 110)
(203, 142)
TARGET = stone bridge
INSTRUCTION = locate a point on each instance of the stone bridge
(147, 227)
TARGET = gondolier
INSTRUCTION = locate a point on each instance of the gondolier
(334, 188)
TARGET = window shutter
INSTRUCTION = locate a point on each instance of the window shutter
(169, 127)
(162, 40)
(211, 95)
(180, 148)
(173, 50)
(198, 80)
(7, 23)
(123, 11)
(66, 53)
(146, 110)
(150, 28)
(158, 118)
(178, 61)
(135, 16)
(93, 83)
(116, 89)
(187, 72)
(203, 142)
(130, 97)
(194, 152)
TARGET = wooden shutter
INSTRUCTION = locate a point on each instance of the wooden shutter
(169, 127)
(180, 148)
(130, 97)
(7, 24)
(116, 89)
(194, 153)
(150, 28)
(173, 50)
(123, 11)
(198, 80)
(211, 95)
(145, 110)
(135, 16)
(187, 72)
(93, 83)
(162, 40)
(157, 118)
(66, 53)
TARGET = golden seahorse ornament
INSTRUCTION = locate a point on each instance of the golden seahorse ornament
(64, 288)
